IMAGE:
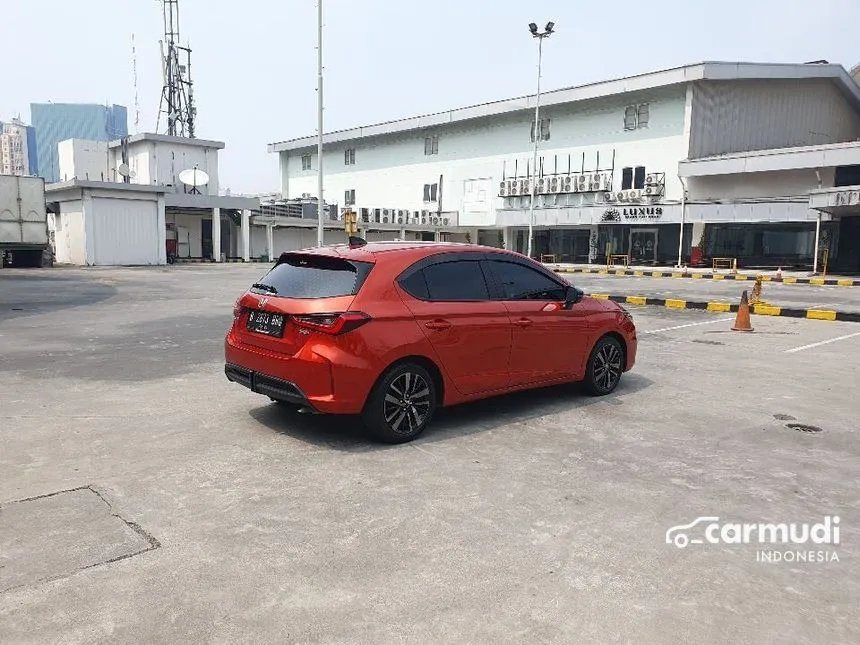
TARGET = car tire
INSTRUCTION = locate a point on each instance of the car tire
(605, 366)
(401, 404)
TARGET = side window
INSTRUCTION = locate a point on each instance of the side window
(519, 282)
(415, 285)
(458, 280)
(626, 178)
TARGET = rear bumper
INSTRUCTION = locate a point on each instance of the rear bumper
(270, 386)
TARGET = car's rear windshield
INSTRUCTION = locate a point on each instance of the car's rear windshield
(313, 276)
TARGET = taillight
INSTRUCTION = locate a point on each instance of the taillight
(334, 323)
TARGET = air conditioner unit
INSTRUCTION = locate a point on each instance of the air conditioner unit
(444, 221)
(634, 195)
(541, 186)
(503, 189)
(554, 185)
(653, 191)
(377, 215)
(525, 187)
(435, 221)
(513, 188)
(416, 217)
(400, 218)
(650, 180)
(566, 185)
(365, 215)
(609, 197)
(621, 196)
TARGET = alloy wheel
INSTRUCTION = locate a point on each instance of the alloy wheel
(607, 366)
(407, 403)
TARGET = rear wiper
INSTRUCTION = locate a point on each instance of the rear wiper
(264, 287)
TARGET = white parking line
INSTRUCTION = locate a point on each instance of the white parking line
(695, 324)
(823, 342)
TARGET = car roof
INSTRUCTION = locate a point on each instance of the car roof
(370, 251)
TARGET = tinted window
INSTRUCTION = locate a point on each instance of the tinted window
(520, 282)
(415, 285)
(460, 280)
(309, 276)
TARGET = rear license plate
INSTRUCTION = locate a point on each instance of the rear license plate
(266, 322)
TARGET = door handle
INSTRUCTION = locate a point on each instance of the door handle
(437, 324)
(522, 322)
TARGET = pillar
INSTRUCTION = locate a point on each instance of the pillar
(162, 231)
(270, 241)
(246, 235)
(402, 234)
(593, 243)
(216, 234)
(508, 237)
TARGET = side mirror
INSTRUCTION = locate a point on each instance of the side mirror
(572, 296)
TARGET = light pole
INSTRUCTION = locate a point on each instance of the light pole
(320, 202)
(540, 35)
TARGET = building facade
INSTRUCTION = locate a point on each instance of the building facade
(17, 149)
(618, 166)
(56, 122)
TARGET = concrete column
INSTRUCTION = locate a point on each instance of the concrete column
(593, 239)
(270, 241)
(402, 235)
(162, 232)
(216, 234)
(508, 238)
(246, 235)
(89, 228)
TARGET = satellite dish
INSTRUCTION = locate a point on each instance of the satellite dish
(194, 177)
(123, 170)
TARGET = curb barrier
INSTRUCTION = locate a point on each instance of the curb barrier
(726, 307)
(840, 282)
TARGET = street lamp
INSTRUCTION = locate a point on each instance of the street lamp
(540, 35)
(320, 200)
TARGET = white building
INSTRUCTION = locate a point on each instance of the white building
(614, 158)
(125, 203)
(14, 152)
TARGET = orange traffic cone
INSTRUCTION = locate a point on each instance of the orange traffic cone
(742, 320)
(778, 275)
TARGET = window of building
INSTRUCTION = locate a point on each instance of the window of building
(349, 197)
(431, 145)
(626, 178)
(636, 116)
(639, 177)
(306, 162)
(459, 280)
(520, 282)
(431, 192)
(349, 157)
(544, 130)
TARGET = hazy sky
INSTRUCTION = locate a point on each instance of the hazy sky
(255, 60)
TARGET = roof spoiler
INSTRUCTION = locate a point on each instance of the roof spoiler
(356, 242)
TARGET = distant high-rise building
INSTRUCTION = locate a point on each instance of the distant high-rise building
(55, 122)
(17, 149)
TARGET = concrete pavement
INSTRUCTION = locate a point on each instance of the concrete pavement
(538, 517)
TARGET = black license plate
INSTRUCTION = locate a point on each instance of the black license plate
(266, 322)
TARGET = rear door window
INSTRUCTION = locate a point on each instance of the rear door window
(519, 282)
(457, 280)
(313, 276)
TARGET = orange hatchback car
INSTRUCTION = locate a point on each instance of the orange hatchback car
(394, 330)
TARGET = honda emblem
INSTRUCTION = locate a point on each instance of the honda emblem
(262, 303)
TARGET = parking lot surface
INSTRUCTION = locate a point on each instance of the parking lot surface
(146, 499)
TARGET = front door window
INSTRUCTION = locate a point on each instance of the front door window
(643, 245)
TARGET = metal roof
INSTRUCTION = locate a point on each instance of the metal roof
(713, 71)
(165, 138)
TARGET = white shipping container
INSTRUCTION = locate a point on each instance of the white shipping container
(23, 219)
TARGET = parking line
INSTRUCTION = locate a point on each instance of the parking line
(823, 342)
(695, 324)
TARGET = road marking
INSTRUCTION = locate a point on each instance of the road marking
(695, 324)
(823, 342)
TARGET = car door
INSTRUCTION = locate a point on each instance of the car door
(469, 331)
(548, 340)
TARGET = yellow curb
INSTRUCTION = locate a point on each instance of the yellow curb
(639, 273)
(656, 274)
(845, 283)
(719, 306)
(767, 310)
(697, 276)
(740, 276)
(600, 296)
(676, 304)
(717, 276)
(816, 281)
(677, 275)
(637, 300)
(603, 271)
(789, 280)
(765, 278)
(821, 315)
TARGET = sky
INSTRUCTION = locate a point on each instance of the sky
(254, 61)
